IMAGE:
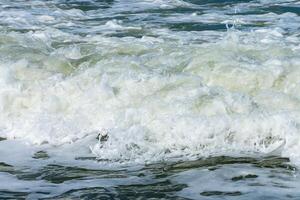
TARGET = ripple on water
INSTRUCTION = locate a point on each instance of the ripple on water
(164, 180)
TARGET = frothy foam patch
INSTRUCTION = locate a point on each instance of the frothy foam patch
(157, 98)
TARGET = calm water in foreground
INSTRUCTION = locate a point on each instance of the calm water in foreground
(149, 99)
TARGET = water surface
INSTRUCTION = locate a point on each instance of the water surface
(162, 99)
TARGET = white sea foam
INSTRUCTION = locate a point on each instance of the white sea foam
(166, 95)
(238, 95)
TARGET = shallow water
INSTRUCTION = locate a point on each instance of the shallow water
(210, 178)
(149, 99)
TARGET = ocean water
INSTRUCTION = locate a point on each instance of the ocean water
(149, 99)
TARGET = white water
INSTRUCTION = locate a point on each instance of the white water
(166, 80)
(175, 95)
(157, 98)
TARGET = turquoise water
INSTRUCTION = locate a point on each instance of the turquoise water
(149, 99)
